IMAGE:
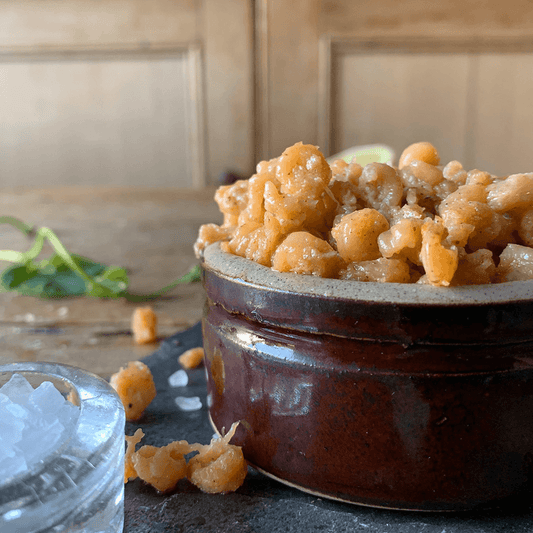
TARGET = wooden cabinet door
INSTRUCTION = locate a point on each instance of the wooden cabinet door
(125, 92)
(338, 73)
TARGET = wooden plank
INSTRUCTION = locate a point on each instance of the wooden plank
(292, 48)
(150, 232)
(97, 121)
(433, 20)
(33, 23)
(189, 149)
(229, 81)
(503, 126)
(398, 99)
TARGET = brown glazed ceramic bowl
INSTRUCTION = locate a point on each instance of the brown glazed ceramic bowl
(389, 395)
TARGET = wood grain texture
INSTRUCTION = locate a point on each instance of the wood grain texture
(338, 41)
(292, 37)
(148, 231)
(33, 23)
(503, 120)
(434, 19)
(103, 120)
(256, 77)
(166, 138)
(229, 77)
(398, 99)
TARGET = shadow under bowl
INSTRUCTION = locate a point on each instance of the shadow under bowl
(400, 396)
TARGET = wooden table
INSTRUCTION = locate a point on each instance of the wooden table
(150, 232)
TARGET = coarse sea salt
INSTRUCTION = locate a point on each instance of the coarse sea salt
(33, 423)
(192, 403)
(178, 379)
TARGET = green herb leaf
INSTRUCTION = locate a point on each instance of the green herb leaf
(65, 274)
(194, 274)
(35, 282)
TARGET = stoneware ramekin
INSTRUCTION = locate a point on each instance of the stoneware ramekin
(389, 395)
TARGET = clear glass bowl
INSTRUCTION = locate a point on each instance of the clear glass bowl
(79, 486)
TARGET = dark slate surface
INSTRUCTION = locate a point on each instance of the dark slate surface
(261, 504)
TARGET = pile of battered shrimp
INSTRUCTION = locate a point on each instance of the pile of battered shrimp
(419, 222)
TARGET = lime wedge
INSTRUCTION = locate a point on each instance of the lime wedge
(370, 153)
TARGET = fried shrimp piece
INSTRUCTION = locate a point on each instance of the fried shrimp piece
(515, 192)
(440, 261)
(379, 270)
(516, 263)
(304, 253)
(162, 467)
(303, 215)
(129, 467)
(402, 240)
(421, 151)
(135, 387)
(525, 229)
(219, 467)
(144, 325)
(356, 235)
(210, 233)
(191, 358)
(475, 268)
(380, 187)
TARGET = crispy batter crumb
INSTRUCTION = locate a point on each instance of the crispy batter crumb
(144, 325)
(161, 467)
(191, 358)
(136, 388)
(129, 468)
(219, 467)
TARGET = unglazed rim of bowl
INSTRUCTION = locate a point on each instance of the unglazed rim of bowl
(242, 270)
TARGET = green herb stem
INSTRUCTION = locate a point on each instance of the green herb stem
(16, 223)
(62, 252)
(193, 275)
(111, 282)
(12, 256)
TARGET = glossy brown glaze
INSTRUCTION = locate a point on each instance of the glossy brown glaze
(410, 323)
(430, 422)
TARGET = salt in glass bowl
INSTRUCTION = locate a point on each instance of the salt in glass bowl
(389, 395)
(79, 486)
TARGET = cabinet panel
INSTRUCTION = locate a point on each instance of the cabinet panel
(97, 121)
(504, 113)
(337, 73)
(476, 106)
(133, 90)
(398, 99)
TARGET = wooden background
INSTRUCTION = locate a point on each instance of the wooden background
(175, 92)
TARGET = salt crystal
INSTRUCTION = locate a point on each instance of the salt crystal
(47, 395)
(17, 389)
(188, 404)
(33, 422)
(178, 379)
(11, 427)
(17, 411)
(46, 399)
